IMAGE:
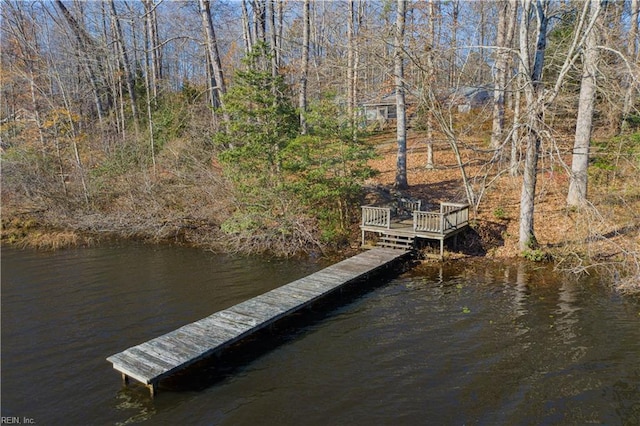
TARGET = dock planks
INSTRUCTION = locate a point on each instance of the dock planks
(165, 355)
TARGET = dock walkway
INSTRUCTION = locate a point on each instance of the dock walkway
(159, 358)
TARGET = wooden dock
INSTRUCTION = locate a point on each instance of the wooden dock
(159, 358)
(400, 224)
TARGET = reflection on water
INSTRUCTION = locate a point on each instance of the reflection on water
(129, 400)
(460, 343)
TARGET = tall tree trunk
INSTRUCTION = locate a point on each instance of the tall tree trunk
(124, 62)
(259, 20)
(305, 66)
(527, 196)
(431, 67)
(271, 10)
(632, 54)
(401, 125)
(515, 129)
(148, 64)
(503, 42)
(218, 87)
(453, 67)
(153, 46)
(88, 51)
(350, 55)
(577, 195)
(246, 29)
(74, 143)
(534, 96)
(359, 13)
(280, 30)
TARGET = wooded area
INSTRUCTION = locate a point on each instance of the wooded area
(187, 120)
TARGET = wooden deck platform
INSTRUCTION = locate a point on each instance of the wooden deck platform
(407, 222)
(164, 356)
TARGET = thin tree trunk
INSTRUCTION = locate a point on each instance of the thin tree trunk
(218, 85)
(148, 64)
(534, 96)
(577, 195)
(271, 10)
(500, 82)
(527, 196)
(401, 111)
(305, 66)
(74, 144)
(124, 61)
(87, 48)
(156, 52)
(280, 27)
(453, 73)
(153, 46)
(431, 41)
(350, 71)
(356, 74)
(246, 29)
(259, 20)
(515, 131)
(632, 53)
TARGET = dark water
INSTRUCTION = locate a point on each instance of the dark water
(471, 343)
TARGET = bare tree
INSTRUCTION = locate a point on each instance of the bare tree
(154, 47)
(506, 25)
(93, 62)
(533, 90)
(401, 110)
(124, 62)
(577, 195)
(305, 65)
(537, 98)
(453, 67)
(246, 29)
(259, 20)
(217, 83)
(430, 77)
(275, 52)
(351, 47)
(632, 54)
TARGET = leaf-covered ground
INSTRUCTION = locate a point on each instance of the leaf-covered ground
(607, 232)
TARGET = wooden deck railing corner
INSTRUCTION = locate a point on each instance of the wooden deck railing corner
(376, 216)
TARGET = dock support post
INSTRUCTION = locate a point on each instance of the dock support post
(125, 379)
(153, 389)
(442, 249)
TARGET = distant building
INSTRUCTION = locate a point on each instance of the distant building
(382, 109)
(467, 97)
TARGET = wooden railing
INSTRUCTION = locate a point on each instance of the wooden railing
(409, 204)
(449, 207)
(454, 216)
(376, 216)
(451, 216)
(427, 221)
